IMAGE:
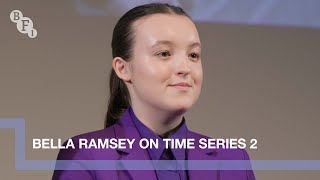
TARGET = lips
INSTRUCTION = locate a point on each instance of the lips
(183, 84)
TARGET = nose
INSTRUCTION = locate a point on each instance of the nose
(183, 66)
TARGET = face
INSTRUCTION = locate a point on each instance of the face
(165, 69)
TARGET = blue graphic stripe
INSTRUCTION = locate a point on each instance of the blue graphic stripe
(22, 164)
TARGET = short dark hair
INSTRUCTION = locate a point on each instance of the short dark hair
(122, 42)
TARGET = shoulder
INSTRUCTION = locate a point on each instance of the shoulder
(77, 153)
(102, 133)
(221, 153)
(227, 154)
(192, 134)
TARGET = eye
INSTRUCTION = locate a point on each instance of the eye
(163, 54)
(194, 55)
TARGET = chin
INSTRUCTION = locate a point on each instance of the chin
(181, 106)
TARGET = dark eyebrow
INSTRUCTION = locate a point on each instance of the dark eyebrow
(165, 42)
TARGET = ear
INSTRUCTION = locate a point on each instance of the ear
(121, 68)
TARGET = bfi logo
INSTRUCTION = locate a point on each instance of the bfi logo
(24, 24)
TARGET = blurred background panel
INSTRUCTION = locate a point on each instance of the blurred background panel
(303, 13)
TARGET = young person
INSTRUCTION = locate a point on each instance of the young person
(156, 78)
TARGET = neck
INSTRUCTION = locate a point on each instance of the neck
(161, 122)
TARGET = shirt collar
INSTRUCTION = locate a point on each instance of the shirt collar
(155, 153)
